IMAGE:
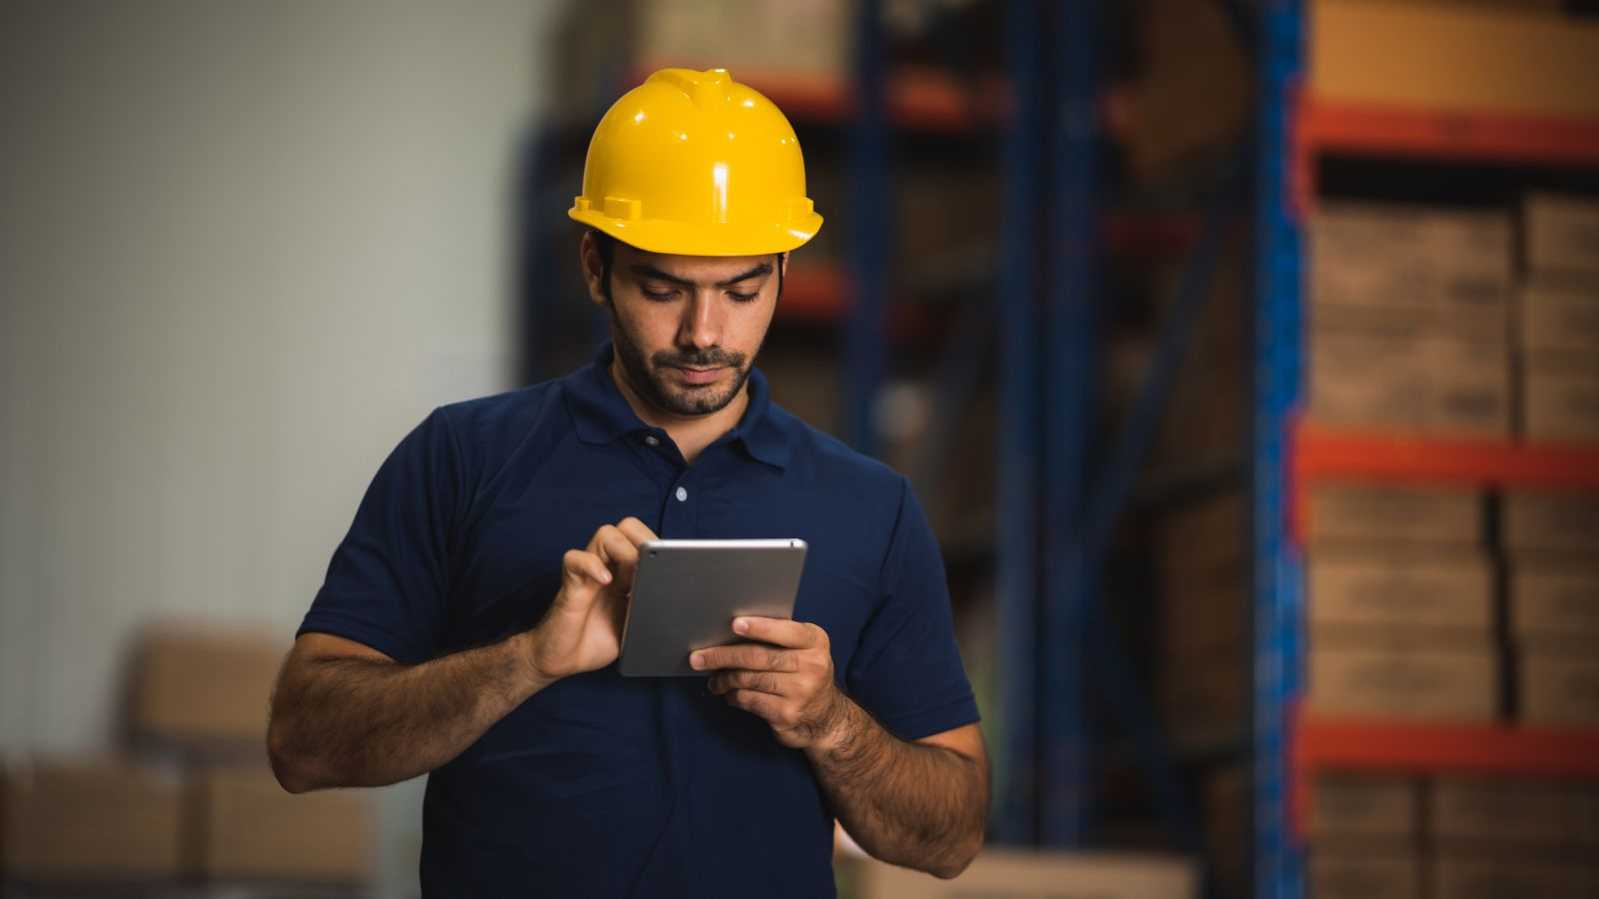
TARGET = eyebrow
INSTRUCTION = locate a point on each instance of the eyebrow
(644, 270)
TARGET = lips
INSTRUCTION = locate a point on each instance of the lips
(699, 375)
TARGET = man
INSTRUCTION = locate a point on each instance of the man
(469, 624)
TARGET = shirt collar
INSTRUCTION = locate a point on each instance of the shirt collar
(602, 415)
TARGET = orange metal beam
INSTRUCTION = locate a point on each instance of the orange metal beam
(1323, 126)
(1419, 748)
(1444, 134)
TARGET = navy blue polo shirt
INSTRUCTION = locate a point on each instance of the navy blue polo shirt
(607, 786)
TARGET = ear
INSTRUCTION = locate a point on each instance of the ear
(592, 266)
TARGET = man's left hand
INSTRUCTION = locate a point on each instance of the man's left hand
(788, 682)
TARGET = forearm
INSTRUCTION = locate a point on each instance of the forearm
(346, 722)
(910, 804)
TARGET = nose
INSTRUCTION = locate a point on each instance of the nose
(701, 326)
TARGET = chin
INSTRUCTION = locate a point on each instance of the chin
(703, 400)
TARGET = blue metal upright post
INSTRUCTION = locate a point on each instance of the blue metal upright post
(1279, 600)
(1016, 549)
(1069, 422)
(864, 337)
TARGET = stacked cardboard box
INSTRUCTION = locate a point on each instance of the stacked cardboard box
(1226, 796)
(607, 42)
(1206, 419)
(1365, 837)
(1381, 836)
(1401, 603)
(1558, 318)
(90, 822)
(1551, 543)
(1461, 57)
(197, 805)
(1204, 632)
(248, 828)
(200, 697)
(1022, 874)
(1512, 837)
(1409, 312)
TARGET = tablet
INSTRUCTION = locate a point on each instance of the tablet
(686, 594)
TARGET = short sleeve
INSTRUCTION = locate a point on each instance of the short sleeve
(388, 581)
(906, 670)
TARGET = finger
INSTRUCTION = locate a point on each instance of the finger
(759, 681)
(745, 655)
(780, 631)
(620, 553)
(767, 706)
(584, 569)
(635, 530)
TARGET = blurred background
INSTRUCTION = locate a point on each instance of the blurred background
(1245, 354)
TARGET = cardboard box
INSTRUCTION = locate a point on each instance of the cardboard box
(1365, 806)
(1021, 874)
(1383, 513)
(1206, 422)
(89, 821)
(1227, 798)
(1410, 271)
(1206, 611)
(1466, 811)
(1460, 59)
(1338, 875)
(247, 827)
(1454, 685)
(1480, 876)
(1205, 699)
(1204, 569)
(944, 214)
(205, 691)
(1536, 521)
(1204, 534)
(1558, 316)
(1561, 233)
(776, 38)
(1584, 812)
(1192, 98)
(1559, 406)
(1558, 689)
(1385, 590)
(1545, 6)
(1554, 604)
(1420, 385)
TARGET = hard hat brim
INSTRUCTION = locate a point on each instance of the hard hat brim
(680, 239)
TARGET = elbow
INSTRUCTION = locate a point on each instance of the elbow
(961, 855)
(290, 770)
(958, 861)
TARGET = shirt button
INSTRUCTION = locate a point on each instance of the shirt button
(651, 440)
(682, 494)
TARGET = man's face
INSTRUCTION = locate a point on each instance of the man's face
(686, 329)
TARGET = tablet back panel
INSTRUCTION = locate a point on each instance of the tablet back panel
(687, 593)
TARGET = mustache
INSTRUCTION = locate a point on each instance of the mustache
(713, 357)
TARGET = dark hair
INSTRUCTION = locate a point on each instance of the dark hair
(606, 244)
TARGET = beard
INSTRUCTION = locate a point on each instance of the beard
(647, 378)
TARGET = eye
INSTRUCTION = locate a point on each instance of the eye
(657, 293)
(742, 297)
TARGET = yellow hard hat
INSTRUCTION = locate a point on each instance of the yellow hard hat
(697, 164)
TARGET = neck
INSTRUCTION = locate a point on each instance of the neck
(691, 433)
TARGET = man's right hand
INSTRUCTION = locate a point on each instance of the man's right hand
(582, 630)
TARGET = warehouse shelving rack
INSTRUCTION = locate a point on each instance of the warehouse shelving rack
(1296, 129)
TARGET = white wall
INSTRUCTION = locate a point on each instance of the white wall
(243, 248)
